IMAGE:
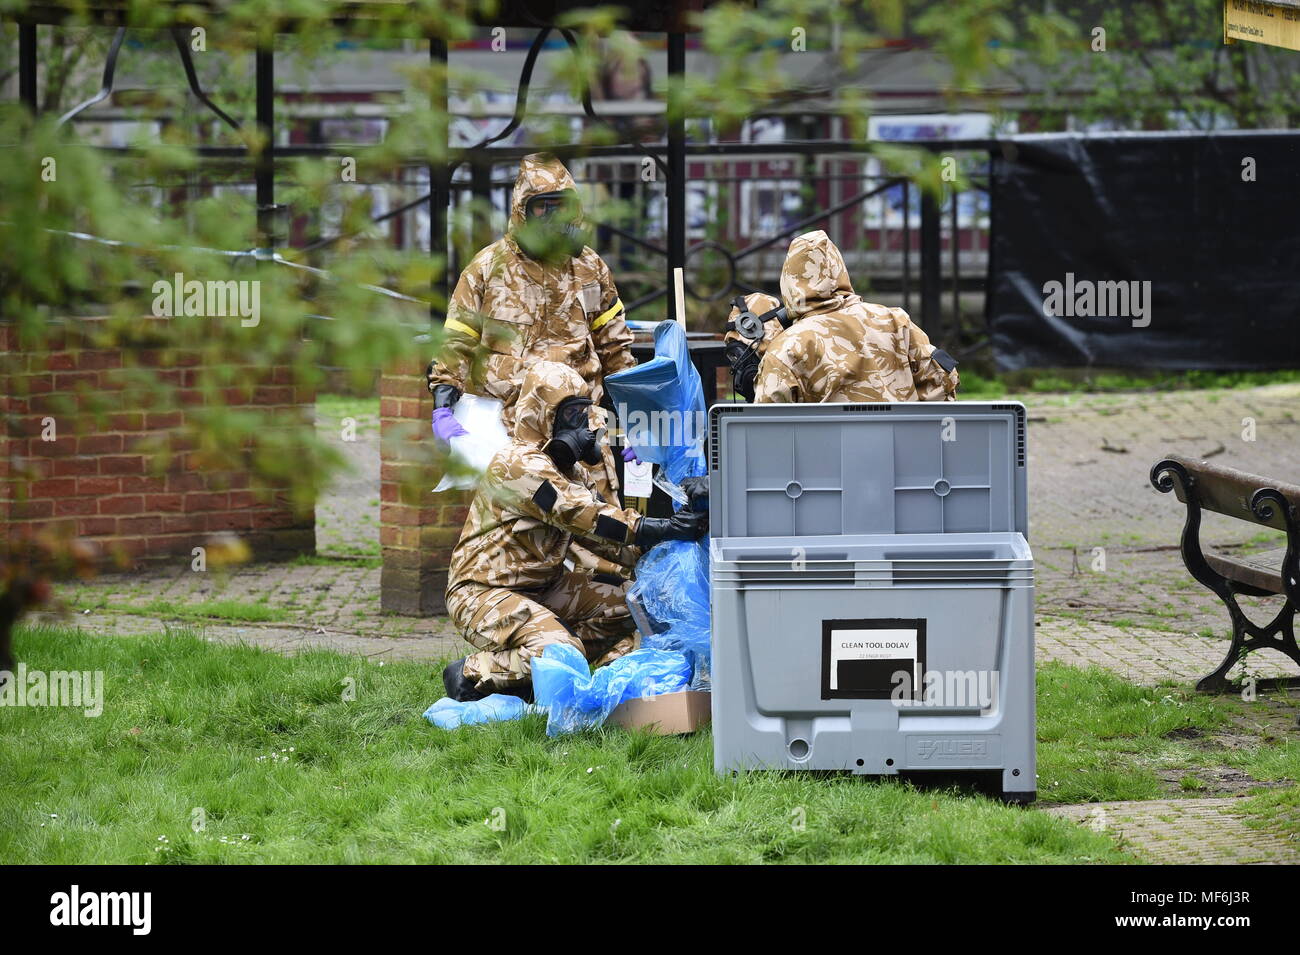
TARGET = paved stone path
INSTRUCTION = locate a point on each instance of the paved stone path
(1090, 457)
(1145, 657)
(1184, 832)
(347, 513)
(1111, 588)
(311, 606)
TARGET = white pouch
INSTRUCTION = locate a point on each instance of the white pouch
(472, 453)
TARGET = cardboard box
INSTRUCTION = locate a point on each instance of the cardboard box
(666, 714)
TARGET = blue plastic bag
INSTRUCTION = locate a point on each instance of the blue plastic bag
(575, 698)
(449, 714)
(672, 587)
(661, 406)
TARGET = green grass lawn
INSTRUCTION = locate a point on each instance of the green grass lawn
(265, 752)
(977, 387)
(229, 611)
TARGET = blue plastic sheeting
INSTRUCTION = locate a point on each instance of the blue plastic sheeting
(575, 698)
(448, 714)
(672, 586)
(661, 406)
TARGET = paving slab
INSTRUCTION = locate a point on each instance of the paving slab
(1185, 831)
(1090, 457)
(1147, 657)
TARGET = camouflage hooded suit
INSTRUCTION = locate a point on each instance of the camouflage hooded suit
(743, 353)
(841, 348)
(541, 558)
(510, 310)
(760, 303)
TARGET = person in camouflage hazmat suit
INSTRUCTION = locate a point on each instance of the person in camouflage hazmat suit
(542, 558)
(755, 321)
(841, 348)
(536, 294)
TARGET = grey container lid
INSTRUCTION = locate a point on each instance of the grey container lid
(955, 467)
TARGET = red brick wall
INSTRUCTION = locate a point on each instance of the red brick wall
(98, 478)
(417, 528)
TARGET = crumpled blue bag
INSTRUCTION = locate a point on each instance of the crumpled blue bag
(672, 587)
(670, 386)
(450, 714)
(575, 698)
(672, 578)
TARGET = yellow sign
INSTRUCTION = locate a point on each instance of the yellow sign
(1273, 24)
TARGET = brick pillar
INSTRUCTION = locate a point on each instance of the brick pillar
(61, 463)
(417, 528)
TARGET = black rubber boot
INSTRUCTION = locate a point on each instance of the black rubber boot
(459, 687)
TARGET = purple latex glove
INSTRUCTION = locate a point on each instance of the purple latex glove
(629, 455)
(445, 425)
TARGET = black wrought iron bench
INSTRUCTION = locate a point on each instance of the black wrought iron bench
(1203, 486)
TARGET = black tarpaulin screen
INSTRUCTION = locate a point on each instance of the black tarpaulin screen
(1164, 251)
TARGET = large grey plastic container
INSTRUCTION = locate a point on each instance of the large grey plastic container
(873, 590)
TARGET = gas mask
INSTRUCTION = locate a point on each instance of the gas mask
(743, 355)
(552, 229)
(576, 435)
(743, 360)
(750, 325)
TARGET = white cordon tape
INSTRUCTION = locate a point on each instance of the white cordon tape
(257, 255)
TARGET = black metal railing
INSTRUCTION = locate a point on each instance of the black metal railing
(917, 267)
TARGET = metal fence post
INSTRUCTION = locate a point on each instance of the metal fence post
(907, 246)
(27, 66)
(955, 242)
(931, 317)
(675, 188)
(480, 172)
(264, 171)
(439, 185)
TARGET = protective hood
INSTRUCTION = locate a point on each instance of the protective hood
(760, 303)
(814, 278)
(538, 173)
(545, 385)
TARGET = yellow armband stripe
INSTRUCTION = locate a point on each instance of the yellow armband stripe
(453, 325)
(606, 315)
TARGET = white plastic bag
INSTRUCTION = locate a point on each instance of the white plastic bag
(472, 453)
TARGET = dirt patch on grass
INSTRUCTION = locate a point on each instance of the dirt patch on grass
(1213, 781)
(1270, 719)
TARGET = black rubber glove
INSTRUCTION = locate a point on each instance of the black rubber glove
(697, 492)
(685, 525)
(445, 396)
